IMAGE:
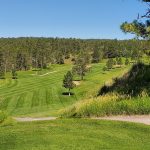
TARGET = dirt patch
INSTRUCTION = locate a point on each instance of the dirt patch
(145, 119)
(77, 83)
(43, 74)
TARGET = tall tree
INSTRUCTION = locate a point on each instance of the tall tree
(120, 61)
(109, 63)
(68, 81)
(14, 74)
(96, 55)
(80, 67)
(127, 61)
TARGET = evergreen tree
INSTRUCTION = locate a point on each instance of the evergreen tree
(80, 67)
(96, 56)
(127, 61)
(68, 81)
(120, 61)
(59, 59)
(14, 74)
(2, 66)
(117, 60)
(138, 27)
(109, 63)
(114, 62)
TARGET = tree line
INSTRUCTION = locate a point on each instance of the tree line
(28, 53)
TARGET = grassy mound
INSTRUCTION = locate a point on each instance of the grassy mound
(132, 83)
(108, 105)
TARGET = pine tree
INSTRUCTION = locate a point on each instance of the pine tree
(120, 61)
(59, 59)
(96, 56)
(68, 81)
(2, 66)
(109, 63)
(117, 59)
(14, 74)
(80, 67)
(127, 61)
(114, 62)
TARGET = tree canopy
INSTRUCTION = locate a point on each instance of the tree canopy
(139, 27)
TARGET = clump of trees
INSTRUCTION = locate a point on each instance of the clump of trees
(112, 62)
(96, 55)
(109, 63)
(2, 66)
(80, 66)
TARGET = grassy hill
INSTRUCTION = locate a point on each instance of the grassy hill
(132, 83)
(40, 94)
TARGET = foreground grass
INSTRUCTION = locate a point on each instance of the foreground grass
(108, 105)
(75, 134)
(36, 95)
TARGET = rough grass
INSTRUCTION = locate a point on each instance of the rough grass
(108, 105)
(75, 134)
(35, 95)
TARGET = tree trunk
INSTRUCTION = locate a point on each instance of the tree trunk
(69, 92)
(81, 77)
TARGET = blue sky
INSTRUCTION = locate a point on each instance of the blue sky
(67, 18)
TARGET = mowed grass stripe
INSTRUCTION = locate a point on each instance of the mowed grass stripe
(42, 97)
(12, 104)
(49, 98)
(28, 100)
(8, 83)
(31, 80)
(35, 99)
(31, 86)
(4, 103)
(21, 100)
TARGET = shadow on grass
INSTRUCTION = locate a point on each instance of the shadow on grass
(68, 93)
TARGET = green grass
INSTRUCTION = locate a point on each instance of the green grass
(75, 134)
(36, 95)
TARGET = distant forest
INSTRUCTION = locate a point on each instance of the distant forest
(27, 53)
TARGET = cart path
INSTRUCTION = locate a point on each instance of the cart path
(29, 119)
(145, 119)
